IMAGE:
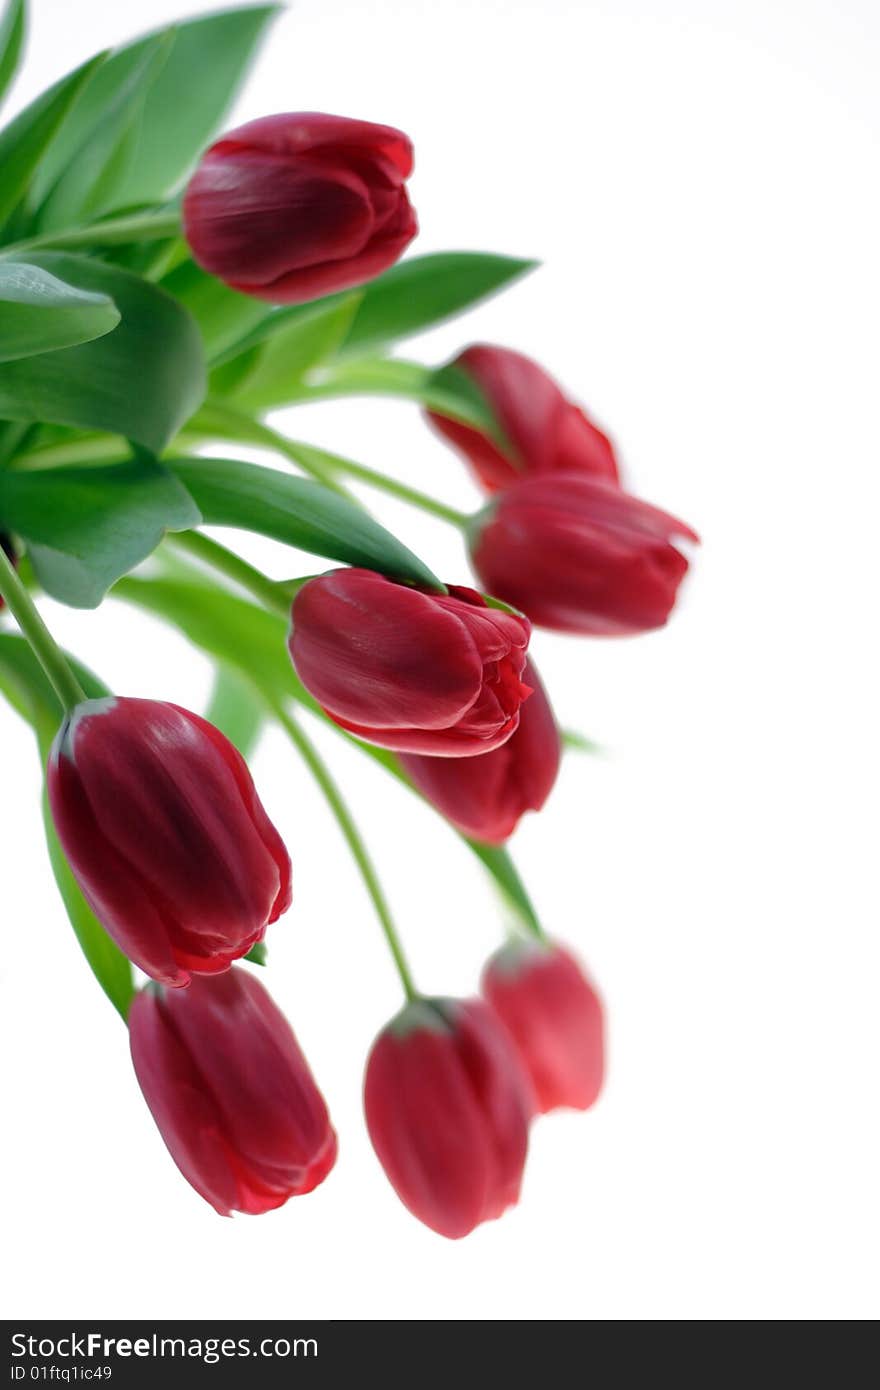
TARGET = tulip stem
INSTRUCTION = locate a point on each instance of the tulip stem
(113, 231)
(335, 801)
(414, 496)
(38, 636)
(273, 596)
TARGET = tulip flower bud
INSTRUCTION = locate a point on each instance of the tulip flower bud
(554, 1017)
(288, 208)
(410, 670)
(162, 826)
(448, 1109)
(579, 555)
(543, 431)
(485, 796)
(231, 1092)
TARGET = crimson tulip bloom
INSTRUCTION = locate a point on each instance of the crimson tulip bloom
(448, 1109)
(288, 208)
(231, 1092)
(543, 431)
(485, 796)
(415, 671)
(162, 826)
(579, 555)
(554, 1017)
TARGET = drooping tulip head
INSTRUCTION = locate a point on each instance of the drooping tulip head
(292, 207)
(410, 670)
(159, 819)
(541, 431)
(554, 1016)
(579, 555)
(486, 796)
(448, 1108)
(231, 1092)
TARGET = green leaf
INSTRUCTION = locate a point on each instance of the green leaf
(144, 380)
(24, 141)
(579, 743)
(423, 291)
(250, 639)
(298, 512)
(85, 527)
(502, 868)
(264, 375)
(89, 162)
(223, 315)
(12, 25)
(235, 710)
(40, 313)
(24, 683)
(445, 389)
(190, 97)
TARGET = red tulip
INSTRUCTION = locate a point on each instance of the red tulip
(579, 555)
(159, 818)
(486, 795)
(554, 1017)
(543, 431)
(448, 1110)
(418, 672)
(292, 207)
(231, 1093)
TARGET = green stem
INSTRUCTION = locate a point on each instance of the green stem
(216, 420)
(220, 420)
(99, 448)
(335, 801)
(273, 596)
(414, 496)
(39, 638)
(115, 231)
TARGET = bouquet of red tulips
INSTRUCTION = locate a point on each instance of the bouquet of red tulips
(160, 295)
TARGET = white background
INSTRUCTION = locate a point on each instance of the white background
(700, 180)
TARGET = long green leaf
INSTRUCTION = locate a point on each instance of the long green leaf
(25, 685)
(40, 313)
(100, 141)
(24, 141)
(445, 389)
(191, 95)
(12, 26)
(424, 291)
(262, 377)
(144, 380)
(86, 527)
(233, 631)
(223, 315)
(234, 710)
(298, 512)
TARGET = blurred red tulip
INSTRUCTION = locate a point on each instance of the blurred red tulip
(555, 1019)
(543, 431)
(448, 1109)
(231, 1092)
(578, 555)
